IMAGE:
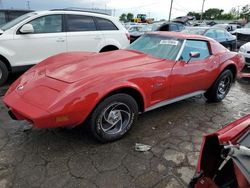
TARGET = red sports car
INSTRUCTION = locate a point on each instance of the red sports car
(108, 90)
(225, 158)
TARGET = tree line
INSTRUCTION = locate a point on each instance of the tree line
(218, 14)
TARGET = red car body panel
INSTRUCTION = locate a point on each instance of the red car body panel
(64, 89)
(228, 134)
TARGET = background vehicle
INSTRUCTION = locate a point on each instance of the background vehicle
(142, 18)
(245, 51)
(165, 26)
(221, 35)
(224, 157)
(243, 35)
(7, 15)
(157, 69)
(229, 27)
(33, 37)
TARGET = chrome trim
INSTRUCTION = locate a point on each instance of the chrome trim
(170, 101)
(181, 50)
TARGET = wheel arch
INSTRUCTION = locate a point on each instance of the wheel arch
(232, 67)
(6, 62)
(135, 93)
(109, 48)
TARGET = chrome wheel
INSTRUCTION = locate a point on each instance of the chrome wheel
(224, 87)
(115, 118)
(1, 74)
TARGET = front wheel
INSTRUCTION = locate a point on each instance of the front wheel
(113, 117)
(221, 87)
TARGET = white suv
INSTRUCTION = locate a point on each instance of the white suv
(35, 36)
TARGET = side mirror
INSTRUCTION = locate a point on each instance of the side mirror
(193, 55)
(27, 28)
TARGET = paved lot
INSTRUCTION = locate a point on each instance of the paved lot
(71, 158)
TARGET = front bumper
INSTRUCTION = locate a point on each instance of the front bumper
(247, 58)
(19, 109)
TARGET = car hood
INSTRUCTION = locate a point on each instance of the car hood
(245, 31)
(75, 66)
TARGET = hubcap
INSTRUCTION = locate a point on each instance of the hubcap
(224, 86)
(115, 118)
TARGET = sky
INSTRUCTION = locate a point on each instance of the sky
(158, 9)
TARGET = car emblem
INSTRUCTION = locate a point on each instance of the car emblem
(20, 87)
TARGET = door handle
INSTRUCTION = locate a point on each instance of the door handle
(98, 38)
(60, 40)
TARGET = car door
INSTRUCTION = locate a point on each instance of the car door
(113, 36)
(82, 34)
(47, 39)
(221, 37)
(194, 76)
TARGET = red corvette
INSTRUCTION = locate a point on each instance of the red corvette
(225, 158)
(108, 90)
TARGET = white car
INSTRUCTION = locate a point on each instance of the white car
(33, 37)
(245, 51)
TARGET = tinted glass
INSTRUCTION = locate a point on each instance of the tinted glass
(220, 34)
(173, 27)
(195, 46)
(16, 21)
(210, 33)
(47, 24)
(104, 24)
(181, 27)
(158, 46)
(80, 23)
(2, 18)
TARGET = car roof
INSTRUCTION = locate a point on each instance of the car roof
(87, 13)
(181, 35)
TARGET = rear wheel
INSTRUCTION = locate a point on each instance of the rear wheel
(3, 73)
(113, 117)
(221, 87)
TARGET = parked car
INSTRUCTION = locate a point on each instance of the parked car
(33, 37)
(243, 35)
(221, 35)
(245, 51)
(165, 26)
(229, 27)
(108, 90)
(225, 157)
(7, 15)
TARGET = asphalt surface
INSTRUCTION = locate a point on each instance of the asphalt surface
(71, 158)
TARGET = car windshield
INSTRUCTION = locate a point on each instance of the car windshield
(158, 46)
(247, 25)
(16, 21)
(197, 31)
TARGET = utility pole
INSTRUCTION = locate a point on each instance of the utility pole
(170, 11)
(202, 9)
(28, 5)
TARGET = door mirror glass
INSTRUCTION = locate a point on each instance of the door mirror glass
(26, 29)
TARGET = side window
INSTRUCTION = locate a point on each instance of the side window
(173, 27)
(104, 24)
(195, 46)
(181, 27)
(47, 24)
(80, 23)
(221, 34)
(211, 34)
(2, 18)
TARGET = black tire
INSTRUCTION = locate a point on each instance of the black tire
(110, 111)
(221, 87)
(4, 73)
(229, 47)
